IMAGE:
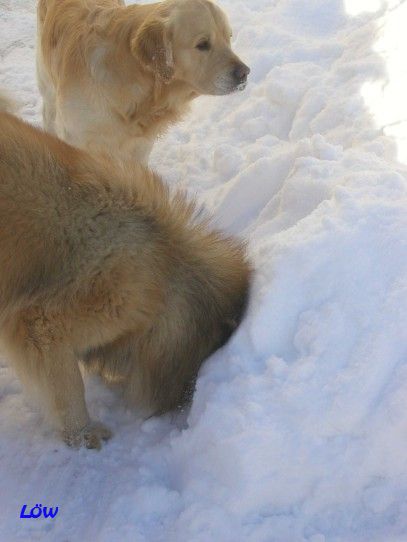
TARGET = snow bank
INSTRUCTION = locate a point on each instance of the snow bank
(298, 427)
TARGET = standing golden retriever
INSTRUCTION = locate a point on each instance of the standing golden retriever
(113, 77)
(102, 265)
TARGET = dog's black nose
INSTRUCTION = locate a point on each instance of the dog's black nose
(241, 72)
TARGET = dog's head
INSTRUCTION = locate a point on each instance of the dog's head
(189, 41)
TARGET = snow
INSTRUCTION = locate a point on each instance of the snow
(298, 427)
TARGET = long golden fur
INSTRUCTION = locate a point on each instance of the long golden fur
(113, 77)
(102, 265)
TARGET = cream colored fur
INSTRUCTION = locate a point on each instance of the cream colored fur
(114, 77)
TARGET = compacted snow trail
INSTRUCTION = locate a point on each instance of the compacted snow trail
(298, 429)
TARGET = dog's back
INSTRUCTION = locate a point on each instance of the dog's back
(23, 241)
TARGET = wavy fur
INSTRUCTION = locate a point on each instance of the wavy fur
(101, 263)
(114, 77)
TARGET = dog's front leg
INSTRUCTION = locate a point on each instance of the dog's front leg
(66, 395)
(52, 369)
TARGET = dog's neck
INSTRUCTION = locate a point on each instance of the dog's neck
(160, 105)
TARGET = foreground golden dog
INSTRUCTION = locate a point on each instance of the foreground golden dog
(104, 266)
(113, 77)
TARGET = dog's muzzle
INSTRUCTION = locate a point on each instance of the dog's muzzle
(240, 74)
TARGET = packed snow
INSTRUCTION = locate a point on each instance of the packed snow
(298, 428)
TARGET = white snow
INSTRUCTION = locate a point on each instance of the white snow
(298, 429)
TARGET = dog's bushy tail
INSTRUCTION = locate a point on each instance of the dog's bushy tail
(7, 104)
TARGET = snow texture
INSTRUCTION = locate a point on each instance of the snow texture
(298, 428)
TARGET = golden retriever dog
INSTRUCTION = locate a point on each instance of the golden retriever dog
(113, 77)
(103, 265)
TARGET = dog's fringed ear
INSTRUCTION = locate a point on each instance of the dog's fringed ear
(151, 45)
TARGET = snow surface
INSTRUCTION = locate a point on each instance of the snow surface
(298, 429)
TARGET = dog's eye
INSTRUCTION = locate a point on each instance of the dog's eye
(204, 45)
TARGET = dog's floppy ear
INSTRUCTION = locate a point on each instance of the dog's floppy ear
(151, 45)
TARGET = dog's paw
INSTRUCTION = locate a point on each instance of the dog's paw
(90, 436)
